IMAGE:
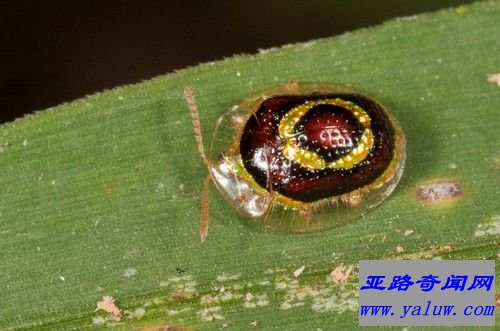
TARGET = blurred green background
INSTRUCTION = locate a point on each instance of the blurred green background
(56, 51)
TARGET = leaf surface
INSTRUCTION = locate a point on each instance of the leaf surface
(101, 196)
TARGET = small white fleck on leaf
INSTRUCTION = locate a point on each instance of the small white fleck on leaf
(299, 271)
(494, 79)
(407, 232)
(130, 272)
(489, 228)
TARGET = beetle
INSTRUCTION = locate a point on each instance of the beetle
(302, 157)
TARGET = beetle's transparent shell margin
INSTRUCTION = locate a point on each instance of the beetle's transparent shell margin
(277, 211)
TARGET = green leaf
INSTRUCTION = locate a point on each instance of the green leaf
(101, 196)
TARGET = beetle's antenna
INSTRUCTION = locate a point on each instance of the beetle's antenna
(195, 117)
(205, 203)
(205, 198)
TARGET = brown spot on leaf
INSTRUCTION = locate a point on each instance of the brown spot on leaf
(109, 188)
(108, 305)
(179, 295)
(439, 192)
(340, 274)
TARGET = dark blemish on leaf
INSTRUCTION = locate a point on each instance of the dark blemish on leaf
(179, 295)
(109, 188)
(180, 270)
(439, 191)
(341, 273)
(108, 305)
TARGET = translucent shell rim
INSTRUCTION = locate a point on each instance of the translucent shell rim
(282, 213)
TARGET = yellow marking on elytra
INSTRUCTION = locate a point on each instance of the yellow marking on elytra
(312, 160)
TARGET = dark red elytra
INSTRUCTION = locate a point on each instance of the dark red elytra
(327, 130)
